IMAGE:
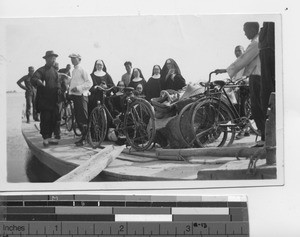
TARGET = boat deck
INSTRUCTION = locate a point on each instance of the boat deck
(137, 166)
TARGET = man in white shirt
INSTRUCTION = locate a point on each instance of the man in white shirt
(126, 77)
(250, 62)
(80, 84)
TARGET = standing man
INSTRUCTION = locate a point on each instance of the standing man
(126, 77)
(48, 90)
(80, 84)
(250, 61)
(66, 70)
(30, 94)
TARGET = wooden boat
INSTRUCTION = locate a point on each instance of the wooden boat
(144, 166)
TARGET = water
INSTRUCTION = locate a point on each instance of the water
(22, 166)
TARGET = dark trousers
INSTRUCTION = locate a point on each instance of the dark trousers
(58, 122)
(48, 122)
(30, 100)
(80, 110)
(267, 58)
(256, 108)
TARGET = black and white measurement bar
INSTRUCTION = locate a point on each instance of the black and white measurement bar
(103, 215)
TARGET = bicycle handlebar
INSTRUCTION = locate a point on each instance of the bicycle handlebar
(237, 82)
(105, 89)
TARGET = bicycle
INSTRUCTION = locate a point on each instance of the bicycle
(244, 106)
(213, 117)
(135, 121)
(68, 118)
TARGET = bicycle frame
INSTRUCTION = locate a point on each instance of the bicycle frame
(101, 103)
(230, 105)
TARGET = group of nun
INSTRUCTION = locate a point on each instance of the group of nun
(165, 78)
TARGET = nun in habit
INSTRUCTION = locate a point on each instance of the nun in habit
(137, 78)
(100, 79)
(153, 86)
(171, 77)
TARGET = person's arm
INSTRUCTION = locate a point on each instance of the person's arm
(87, 82)
(110, 82)
(37, 78)
(20, 81)
(94, 86)
(179, 82)
(122, 79)
(241, 62)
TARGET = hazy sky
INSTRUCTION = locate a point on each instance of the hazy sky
(199, 44)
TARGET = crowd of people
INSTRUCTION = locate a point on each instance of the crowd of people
(45, 87)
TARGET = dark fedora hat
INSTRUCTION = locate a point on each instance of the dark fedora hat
(50, 53)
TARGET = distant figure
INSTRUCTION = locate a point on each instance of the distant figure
(66, 70)
(64, 80)
(116, 99)
(121, 86)
(48, 89)
(126, 77)
(139, 91)
(30, 94)
(100, 79)
(251, 63)
(171, 77)
(238, 51)
(79, 91)
(153, 86)
(137, 78)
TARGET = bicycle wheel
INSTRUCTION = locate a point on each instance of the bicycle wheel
(67, 116)
(212, 124)
(183, 125)
(251, 123)
(139, 125)
(62, 113)
(97, 127)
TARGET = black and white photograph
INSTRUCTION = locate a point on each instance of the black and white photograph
(166, 101)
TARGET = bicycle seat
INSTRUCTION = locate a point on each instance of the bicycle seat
(219, 83)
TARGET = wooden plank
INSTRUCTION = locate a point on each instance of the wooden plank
(92, 167)
(238, 170)
(216, 151)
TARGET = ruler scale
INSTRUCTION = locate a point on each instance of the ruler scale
(116, 215)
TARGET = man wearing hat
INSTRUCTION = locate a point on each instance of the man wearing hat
(48, 89)
(80, 84)
(30, 94)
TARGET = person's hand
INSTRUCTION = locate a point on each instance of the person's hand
(40, 83)
(219, 71)
(74, 89)
(228, 81)
(204, 84)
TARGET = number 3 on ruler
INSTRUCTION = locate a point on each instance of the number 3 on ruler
(188, 228)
